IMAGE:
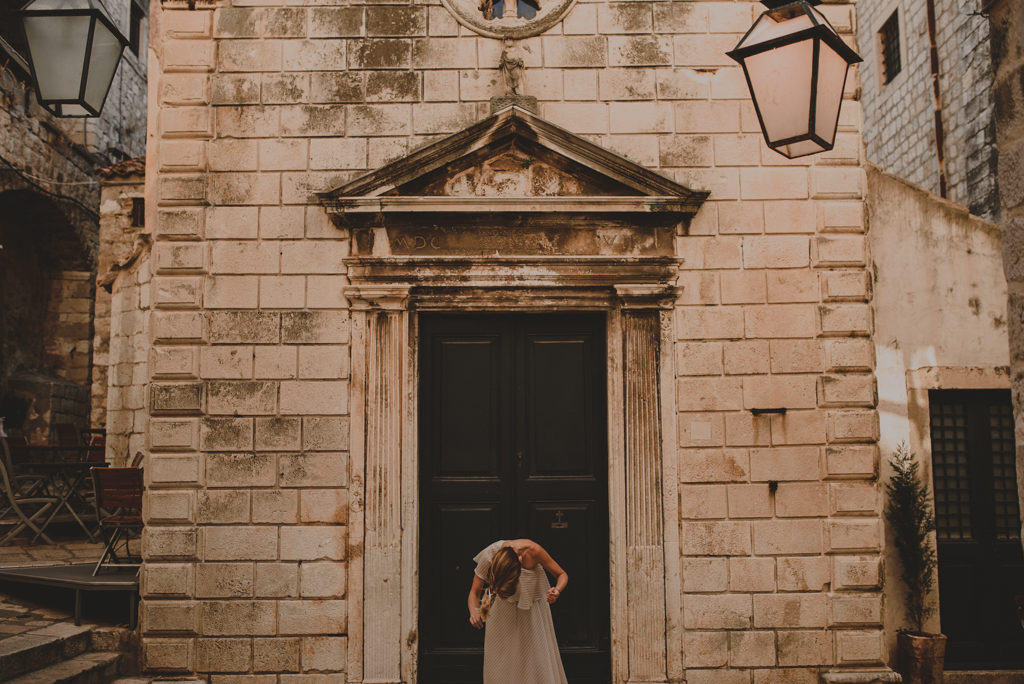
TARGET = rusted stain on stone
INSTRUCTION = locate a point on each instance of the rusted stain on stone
(179, 398)
(220, 433)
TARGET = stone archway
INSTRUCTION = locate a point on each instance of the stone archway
(47, 279)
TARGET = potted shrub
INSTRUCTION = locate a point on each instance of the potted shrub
(909, 511)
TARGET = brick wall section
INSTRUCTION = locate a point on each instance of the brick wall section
(68, 326)
(899, 123)
(1007, 20)
(260, 106)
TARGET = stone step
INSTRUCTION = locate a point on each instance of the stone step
(40, 647)
(88, 668)
(983, 677)
(147, 680)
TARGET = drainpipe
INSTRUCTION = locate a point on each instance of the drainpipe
(940, 136)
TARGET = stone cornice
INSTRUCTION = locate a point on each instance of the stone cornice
(355, 206)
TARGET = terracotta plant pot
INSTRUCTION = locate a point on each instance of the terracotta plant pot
(921, 657)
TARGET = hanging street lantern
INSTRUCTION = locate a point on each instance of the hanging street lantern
(74, 48)
(796, 66)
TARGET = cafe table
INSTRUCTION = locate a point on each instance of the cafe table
(63, 471)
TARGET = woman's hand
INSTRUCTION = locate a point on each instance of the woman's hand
(553, 595)
(476, 619)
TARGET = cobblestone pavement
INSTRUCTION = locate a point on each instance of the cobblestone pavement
(19, 615)
(70, 551)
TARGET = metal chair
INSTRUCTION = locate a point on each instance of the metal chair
(118, 490)
(25, 497)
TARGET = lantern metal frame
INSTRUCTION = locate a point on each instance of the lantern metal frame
(817, 32)
(95, 13)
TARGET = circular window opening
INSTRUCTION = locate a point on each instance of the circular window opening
(508, 18)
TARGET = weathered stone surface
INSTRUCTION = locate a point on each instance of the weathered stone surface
(301, 320)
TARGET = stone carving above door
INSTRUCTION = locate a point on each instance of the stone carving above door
(495, 187)
(510, 174)
(512, 201)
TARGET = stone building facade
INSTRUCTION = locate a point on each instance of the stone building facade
(940, 333)
(1007, 27)
(49, 191)
(329, 186)
(121, 313)
(900, 130)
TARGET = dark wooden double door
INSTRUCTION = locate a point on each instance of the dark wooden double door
(977, 519)
(512, 444)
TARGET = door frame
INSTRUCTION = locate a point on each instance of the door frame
(645, 607)
(919, 382)
(595, 324)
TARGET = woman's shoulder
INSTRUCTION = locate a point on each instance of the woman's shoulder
(488, 551)
(528, 545)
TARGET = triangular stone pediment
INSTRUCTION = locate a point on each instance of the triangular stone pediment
(513, 161)
(515, 170)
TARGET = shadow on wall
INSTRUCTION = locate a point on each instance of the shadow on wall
(47, 279)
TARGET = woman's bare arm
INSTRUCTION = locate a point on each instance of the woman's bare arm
(555, 570)
(475, 618)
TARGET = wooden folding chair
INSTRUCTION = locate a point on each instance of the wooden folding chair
(24, 497)
(118, 490)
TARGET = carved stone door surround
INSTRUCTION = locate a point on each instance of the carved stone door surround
(465, 225)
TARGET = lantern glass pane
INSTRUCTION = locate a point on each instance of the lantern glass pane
(106, 53)
(768, 27)
(780, 81)
(57, 45)
(821, 18)
(800, 149)
(48, 5)
(72, 110)
(831, 79)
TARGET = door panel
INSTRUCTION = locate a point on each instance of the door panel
(981, 564)
(556, 406)
(513, 444)
(473, 520)
(470, 422)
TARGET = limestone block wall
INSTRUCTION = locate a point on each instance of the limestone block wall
(120, 133)
(1007, 25)
(899, 116)
(68, 325)
(940, 313)
(258, 106)
(127, 410)
(117, 238)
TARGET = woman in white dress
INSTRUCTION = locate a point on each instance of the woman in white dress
(510, 583)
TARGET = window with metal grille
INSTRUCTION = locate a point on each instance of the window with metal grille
(138, 211)
(974, 465)
(889, 38)
(950, 472)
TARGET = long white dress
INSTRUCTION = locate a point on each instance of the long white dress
(519, 639)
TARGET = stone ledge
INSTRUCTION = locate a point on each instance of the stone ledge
(983, 676)
(884, 676)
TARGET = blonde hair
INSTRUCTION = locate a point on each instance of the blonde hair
(502, 577)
